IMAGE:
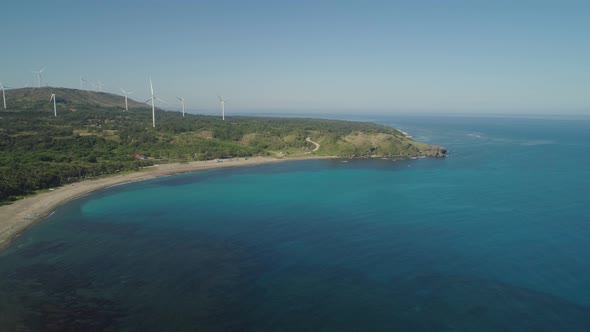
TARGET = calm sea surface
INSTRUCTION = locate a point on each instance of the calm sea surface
(494, 238)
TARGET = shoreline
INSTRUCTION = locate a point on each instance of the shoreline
(17, 217)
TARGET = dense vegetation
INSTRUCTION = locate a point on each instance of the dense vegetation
(92, 136)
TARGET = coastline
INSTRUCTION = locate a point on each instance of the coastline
(20, 215)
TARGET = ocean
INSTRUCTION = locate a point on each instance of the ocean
(492, 238)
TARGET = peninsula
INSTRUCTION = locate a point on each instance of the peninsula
(70, 153)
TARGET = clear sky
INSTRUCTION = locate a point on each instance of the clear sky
(497, 56)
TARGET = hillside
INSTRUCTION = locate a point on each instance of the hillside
(27, 98)
(92, 136)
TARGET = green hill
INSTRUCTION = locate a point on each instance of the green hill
(93, 136)
(70, 99)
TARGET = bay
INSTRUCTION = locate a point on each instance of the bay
(492, 238)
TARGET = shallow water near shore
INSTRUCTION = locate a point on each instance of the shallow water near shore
(492, 238)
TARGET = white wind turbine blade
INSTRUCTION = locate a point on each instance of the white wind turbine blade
(220, 99)
(38, 79)
(40, 71)
(130, 92)
(162, 100)
(147, 101)
(151, 87)
(177, 97)
(123, 90)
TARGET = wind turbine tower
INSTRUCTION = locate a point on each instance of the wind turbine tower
(126, 94)
(222, 102)
(83, 79)
(3, 94)
(182, 102)
(39, 76)
(54, 106)
(153, 99)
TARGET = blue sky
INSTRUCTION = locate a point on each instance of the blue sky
(312, 56)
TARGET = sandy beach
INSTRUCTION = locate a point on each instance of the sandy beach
(18, 216)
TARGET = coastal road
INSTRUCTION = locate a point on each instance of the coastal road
(317, 145)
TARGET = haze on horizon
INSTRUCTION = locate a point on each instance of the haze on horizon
(312, 56)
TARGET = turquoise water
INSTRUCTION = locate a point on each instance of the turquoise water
(492, 238)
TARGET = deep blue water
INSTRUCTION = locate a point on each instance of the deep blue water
(493, 238)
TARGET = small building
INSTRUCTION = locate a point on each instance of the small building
(138, 156)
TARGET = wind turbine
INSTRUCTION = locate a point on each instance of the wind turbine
(153, 99)
(181, 101)
(126, 94)
(54, 107)
(222, 102)
(90, 82)
(38, 76)
(83, 80)
(3, 94)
